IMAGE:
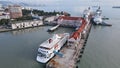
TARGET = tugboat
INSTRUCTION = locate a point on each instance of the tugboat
(98, 20)
(53, 28)
(51, 47)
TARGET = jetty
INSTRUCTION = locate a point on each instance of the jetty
(71, 54)
(53, 28)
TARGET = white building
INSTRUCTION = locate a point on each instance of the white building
(3, 14)
(50, 19)
(26, 24)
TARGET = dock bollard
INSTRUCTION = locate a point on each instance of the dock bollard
(83, 48)
(78, 60)
(76, 66)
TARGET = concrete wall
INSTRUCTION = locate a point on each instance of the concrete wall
(26, 24)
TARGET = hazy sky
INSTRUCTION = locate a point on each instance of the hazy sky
(109, 2)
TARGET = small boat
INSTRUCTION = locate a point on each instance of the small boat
(53, 28)
(51, 46)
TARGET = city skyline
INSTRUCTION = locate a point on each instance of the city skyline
(50, 2)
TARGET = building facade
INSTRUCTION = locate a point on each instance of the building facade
(1, 10)
(15, 11)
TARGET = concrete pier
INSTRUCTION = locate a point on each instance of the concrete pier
(72, 54)
(8, 29)
(22, 25)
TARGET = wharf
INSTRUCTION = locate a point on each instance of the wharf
(71, 54)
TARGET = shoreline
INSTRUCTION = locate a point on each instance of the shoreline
(75, 56)
(7, 30)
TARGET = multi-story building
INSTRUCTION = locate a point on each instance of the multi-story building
(1, 10)
(69, 21)
(15, 11)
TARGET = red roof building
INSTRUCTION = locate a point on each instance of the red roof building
(69, 21)
(15, 11)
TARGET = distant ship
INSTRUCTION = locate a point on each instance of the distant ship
(53, 28)
(116, 7)
(51, 47)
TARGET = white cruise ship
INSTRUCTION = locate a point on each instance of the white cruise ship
(46, 49)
